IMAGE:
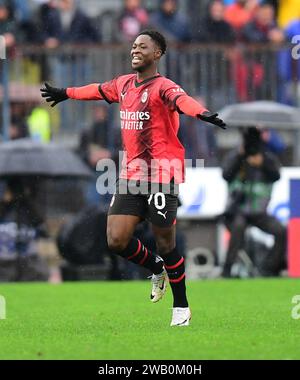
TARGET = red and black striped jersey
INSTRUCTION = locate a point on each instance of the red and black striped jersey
(149, 126)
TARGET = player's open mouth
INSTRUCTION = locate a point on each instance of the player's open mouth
(136, 59)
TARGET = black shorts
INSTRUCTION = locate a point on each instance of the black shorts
(159, 207)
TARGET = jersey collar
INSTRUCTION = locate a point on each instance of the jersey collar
(138, 84)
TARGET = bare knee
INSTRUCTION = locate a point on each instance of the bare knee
(120, 229)
(116, 241)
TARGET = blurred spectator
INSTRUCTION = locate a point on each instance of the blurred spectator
(198, 139)
(289, 68)
(81, 239)
(175, 27)
(63, 22)
(292, 29)
(213, 28)
(263, 28)
(94, 141)
(170, 22)
(132, 20)
(195, 11)
(288, 11)
(18, 125)
(273, 142)
(27, 23)
(8, 26)
(93, 146)
(250, 173)
(20, 228)
(39, 124)
(18, 129)
(240, 13)
(22, 10)
(249, 2)
(250, 71)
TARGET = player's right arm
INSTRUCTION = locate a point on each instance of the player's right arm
(95, 91)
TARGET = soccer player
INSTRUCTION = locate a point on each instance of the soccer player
(149, 110)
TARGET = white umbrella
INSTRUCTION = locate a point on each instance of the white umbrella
(25, 157)
(265, 114)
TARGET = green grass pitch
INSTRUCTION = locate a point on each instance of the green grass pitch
(232, 319)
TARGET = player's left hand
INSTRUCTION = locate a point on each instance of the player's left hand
(212, 118)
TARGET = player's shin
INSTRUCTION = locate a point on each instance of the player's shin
(174, 265)
(137, 253)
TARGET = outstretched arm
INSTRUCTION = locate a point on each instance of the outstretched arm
(57, 95)
(89, 92)
(189, 106)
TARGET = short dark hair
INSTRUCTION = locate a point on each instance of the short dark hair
(157, 37)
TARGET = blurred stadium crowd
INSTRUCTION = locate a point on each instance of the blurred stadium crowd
(221, 52)
(55, 22)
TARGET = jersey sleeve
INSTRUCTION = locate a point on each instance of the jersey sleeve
(178, 100)
(109, 91)
(170, 92)
(189, 106)
(88, 92)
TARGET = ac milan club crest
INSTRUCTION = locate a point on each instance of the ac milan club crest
(144, 96)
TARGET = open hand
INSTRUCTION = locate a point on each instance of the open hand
(53, 94)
